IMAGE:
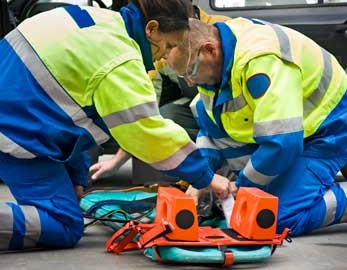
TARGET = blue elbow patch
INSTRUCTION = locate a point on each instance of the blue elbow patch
(258, 85)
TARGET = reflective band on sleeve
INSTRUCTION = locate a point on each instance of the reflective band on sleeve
(208, 101)
(278, 127)
(10, 147)
(52, 87)
(313, 100)
(132, 114)
(207, 142)
(6, 226)
(330, 208)
(32, 226)
(239, 163)
(173, 161)
(255, 176)
(236, 104)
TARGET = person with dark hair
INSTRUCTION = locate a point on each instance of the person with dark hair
(68, 86)
(174, 97)
(273, 106)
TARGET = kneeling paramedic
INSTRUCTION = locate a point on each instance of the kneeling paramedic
(68, 86)
(273, 105)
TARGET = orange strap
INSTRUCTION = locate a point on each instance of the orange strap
(228, 258)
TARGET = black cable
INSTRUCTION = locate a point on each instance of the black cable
(99, 2)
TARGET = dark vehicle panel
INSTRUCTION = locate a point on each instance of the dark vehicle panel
(323, 21)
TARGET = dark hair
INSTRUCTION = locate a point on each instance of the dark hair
(172, 15)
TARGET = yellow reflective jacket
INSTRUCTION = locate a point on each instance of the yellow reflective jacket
(277, 88)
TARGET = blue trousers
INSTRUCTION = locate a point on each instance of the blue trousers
(47, 212)
(309, 197)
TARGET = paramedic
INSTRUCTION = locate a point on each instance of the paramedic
(273, 105)
(68, 86)
(174, 97)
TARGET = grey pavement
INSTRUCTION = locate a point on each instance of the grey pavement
(324, 249)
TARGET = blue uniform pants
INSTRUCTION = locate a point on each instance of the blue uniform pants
(47, 212)
(309, 197)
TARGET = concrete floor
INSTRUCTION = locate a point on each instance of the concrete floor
(324, 249)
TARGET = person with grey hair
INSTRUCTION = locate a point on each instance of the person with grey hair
(273, 106)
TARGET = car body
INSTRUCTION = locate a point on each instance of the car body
(323, 21)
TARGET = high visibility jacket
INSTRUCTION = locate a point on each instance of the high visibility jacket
(71, 77)
(277, 88)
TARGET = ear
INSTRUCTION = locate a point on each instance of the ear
(151, 27)
(210, 48)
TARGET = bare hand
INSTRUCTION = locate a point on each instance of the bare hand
(108, 167)
(103, 168)
(220, 185)
(195, 193)
(233, 189)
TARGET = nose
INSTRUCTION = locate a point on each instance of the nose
(167, 52)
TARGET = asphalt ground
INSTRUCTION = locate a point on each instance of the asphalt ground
(321, 250)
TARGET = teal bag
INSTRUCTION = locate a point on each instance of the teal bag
(113, 208)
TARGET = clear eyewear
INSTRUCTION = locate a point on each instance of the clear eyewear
(195, 67)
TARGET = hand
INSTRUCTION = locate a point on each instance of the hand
(233, 189)
(193, 192)
(220, 186)
(103, 168)
(107, 167)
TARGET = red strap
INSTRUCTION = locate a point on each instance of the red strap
(156, 231)
(129, 230)
(228, 258)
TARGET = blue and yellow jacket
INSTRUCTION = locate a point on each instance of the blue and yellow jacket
(277, 88)
(71, 77)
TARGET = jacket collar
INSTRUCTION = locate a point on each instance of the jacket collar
(135, 26)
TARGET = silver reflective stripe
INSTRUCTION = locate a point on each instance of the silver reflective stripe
(313, 100)
(32, 226)
(6, 226)
(343, 185)
(176, 159)
(239, 163)
(330, 208)
(132, 114)
(255, 176)
(234, 105)
(207, 142)
(10, 147)
(283, 40)
(278, 127)
(193, 107)
(207, 100)
(227, 142)
(52, 87)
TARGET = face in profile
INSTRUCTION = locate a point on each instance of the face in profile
(162, 43)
